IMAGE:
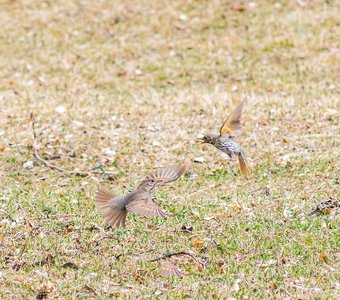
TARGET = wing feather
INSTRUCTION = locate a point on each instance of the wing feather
(112, 207)
(168, 174)
(144, 206)
(232, 125)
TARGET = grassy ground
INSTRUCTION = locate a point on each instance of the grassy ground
(128, 87)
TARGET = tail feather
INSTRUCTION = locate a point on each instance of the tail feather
(120, 221)
(105, 202)
(243, 164)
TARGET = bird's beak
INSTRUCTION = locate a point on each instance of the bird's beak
(200, 140)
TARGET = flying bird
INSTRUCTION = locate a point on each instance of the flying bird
(139, 201)
(226, 142)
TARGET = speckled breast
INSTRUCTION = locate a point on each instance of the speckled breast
(229, 146)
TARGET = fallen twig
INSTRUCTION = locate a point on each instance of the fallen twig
(212, 241)
(165, 256)
(53, 167)
(118, 256)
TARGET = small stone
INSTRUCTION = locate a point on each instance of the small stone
(193, 176)
(172, 53)
(285, 158)
(91, 276)
(41, 273)
(236, 286)
(183, 17)
(287, 213)
(138, 72)
(28, 83)
(60, 109)
(109, 152)
(68, 137)
(78, 123)
(195, 213)
(28, 164)
(252, 4)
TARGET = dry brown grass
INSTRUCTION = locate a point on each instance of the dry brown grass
(144, 79)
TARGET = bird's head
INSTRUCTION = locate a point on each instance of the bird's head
(148, 185)
(207, 139)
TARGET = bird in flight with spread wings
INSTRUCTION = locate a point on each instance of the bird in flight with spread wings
(139, 201)
(226, 142)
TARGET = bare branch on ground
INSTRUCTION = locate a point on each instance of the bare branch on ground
(53, 167)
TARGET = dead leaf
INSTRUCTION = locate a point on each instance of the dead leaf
(169, 269)
(49, 259)
(121, 73)
(230, 38)
(71, 265)
(268, 263)
(47, 287)
(272, 285)
(239, 7)
(42, 295)
(198, 244)
(223, 268)
(195, 213)
(89, 290)
(323, 257)
(29, 223)
(236, 285)
(327, 207)
(187, 229)
(235, 206)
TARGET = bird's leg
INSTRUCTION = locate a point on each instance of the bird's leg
(229, 159)
(230, 164)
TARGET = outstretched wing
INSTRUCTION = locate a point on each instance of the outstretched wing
(144, 206)
(168, 174)
(232, 125)
(113, 208)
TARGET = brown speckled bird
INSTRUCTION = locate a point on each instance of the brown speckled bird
(226, 142)
(139, 201)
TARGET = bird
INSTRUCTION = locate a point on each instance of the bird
(139, 201)
(226, 141)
